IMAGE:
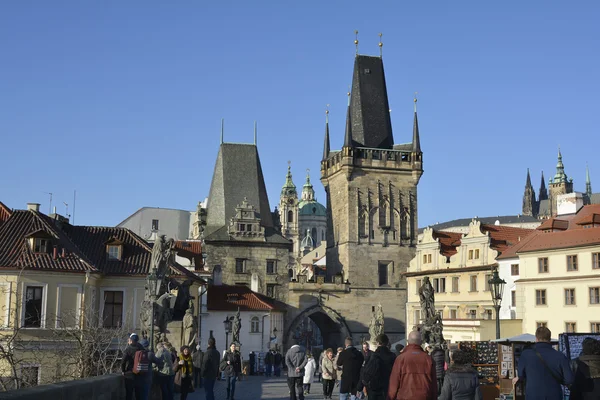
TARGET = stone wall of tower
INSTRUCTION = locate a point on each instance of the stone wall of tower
(529, 203)
(556, 189)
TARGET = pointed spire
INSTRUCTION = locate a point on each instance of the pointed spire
(543, 193)
(289, 189)
(255, 133)
(308, 192)
(348, 135)
(326, 147)
(222, 129)
(416, 148)
(528, 183)
(588, 182)
(560, 170)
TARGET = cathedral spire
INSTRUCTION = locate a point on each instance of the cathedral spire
(560, 170)
(588, 182)
(289, 189)
(326, 147)
(308, 192)
(528, 183)
(529, 203)
(543, 193)
(416, 142)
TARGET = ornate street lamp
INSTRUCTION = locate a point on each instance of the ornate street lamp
(227, 323)
(153, 288)
(497, 289)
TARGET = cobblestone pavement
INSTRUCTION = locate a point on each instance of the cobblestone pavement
(259, 387)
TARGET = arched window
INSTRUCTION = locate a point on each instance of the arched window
(290, 216)
(362, 226)
(217, 275)
(254, 326)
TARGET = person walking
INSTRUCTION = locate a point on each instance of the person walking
(166, 374)
(277, 360)
(231, 365)
(366, 352)
(586, 385)
(197, 361)
(375, 375)
(295, 361)
(461, 381)
(329, 371)
(269, 363)
(210, 369)
(309, 373)
(351, 361)
(138, 382)
(543, 369)
(184, 373)
(413, 375)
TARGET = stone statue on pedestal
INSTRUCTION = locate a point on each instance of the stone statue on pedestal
(376, 324)
(427, 299)
(432, 328)
(189, 328)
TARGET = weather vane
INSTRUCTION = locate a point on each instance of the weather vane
(356, 41)
(380, 45)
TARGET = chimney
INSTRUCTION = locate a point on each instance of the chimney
(55, 252)
(33, 206)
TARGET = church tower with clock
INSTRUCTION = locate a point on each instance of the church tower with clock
(288, 211)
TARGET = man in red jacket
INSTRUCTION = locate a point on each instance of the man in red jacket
(413, 376)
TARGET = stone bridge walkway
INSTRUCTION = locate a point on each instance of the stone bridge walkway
(259, 387)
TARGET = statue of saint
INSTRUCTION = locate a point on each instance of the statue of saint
(377, 321)
(164, 311)
(237, 326)
(426, 296)
(161, 255)
(189, 328)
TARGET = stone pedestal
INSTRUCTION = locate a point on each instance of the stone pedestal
(175, 335)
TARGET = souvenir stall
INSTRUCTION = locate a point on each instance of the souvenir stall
(484, 358)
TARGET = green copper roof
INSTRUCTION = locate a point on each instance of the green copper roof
(312, 208)
(289, 188)
(560, 170)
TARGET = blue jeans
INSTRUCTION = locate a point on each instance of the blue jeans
(231, 387)
(277, 370)
(209, 387)
(268, 369)
(344, 396)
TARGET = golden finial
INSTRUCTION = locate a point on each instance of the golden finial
(415, 100)
(356, 41)
(348, 94)
(380, 45)
(327, 114)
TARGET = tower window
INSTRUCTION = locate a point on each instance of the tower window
(154, 224)
(382, 269)
(290, 216)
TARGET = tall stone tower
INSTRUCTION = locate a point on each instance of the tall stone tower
(288, 211)
(529, 203)
(560, 184)
(543, 193)
(371, 187)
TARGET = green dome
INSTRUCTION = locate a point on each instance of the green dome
(312, 208)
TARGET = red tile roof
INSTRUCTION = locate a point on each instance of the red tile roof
(501, 238)
(5, 213)
(579, 232)
(78, 248)
(190, 249)
(230, 298)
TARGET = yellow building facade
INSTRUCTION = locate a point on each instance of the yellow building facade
(459, 267)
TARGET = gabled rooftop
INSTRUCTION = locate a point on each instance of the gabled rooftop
(230, 298)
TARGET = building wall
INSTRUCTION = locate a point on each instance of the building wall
(556, 313)
(251, 341)
(507, 309)
(176, 224)
(224, 254)
(479, 330)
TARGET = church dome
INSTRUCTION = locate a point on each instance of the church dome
(313, 208)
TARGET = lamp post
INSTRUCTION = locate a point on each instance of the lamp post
(497, 288)
(152, 287)
(227, 324)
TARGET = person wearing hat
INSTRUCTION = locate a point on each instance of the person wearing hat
(137, 383)
(184, 372)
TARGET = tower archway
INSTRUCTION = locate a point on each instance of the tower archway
(331, 327)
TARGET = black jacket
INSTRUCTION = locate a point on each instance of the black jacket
(351, 361)
(461, 383)
(375, 375)
(128, 354)
(269, 358)
(366, 356)
(277, 359)
(234, 368)
(210, 363)
(587, 378)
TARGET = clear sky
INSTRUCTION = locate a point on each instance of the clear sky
(122, 100)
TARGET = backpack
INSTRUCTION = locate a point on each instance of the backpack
(372, 372)
(141, 363)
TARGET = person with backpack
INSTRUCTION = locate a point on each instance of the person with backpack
(184, 371)
(231, 365)
(210, 368)
(136, 367)
(375, 375)
(166, 374)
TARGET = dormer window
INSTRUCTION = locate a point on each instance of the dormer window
(114, 249)
(40, 245)
(113, 252)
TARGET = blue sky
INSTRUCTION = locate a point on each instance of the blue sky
(122, 101)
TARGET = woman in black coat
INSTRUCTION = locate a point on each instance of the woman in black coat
(461, 381)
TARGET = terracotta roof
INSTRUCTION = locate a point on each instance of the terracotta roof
(78, 248)
(511, 252)
(501, 238)
(230, 298)
(554, 224)
(5, 213)
(449, 241)
(577, 234)
(190, 249)
(590, 219)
